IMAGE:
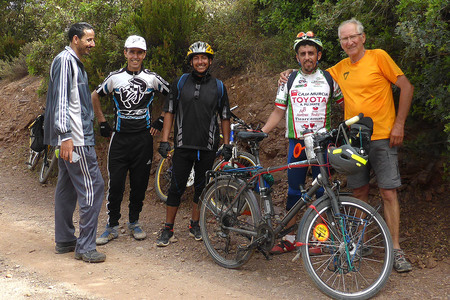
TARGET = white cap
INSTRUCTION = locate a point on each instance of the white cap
(135, 41)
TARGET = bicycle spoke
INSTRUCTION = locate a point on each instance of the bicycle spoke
(355, 251)
(227, 228)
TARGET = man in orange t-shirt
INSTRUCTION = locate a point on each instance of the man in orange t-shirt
(365, 78)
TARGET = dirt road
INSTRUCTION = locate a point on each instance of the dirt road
(29, 269)
(140, 270)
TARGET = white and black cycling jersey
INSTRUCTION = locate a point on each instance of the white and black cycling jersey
(133, 94)
(307, 102)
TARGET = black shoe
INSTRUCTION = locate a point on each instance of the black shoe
(194, 231)
(65, 247)
(166, 237)
(91, 256)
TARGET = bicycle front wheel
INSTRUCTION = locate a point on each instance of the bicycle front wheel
(348, 255)
(48, 164)
(242, 160)
(33, 159)
(228, 225)
(163, 176)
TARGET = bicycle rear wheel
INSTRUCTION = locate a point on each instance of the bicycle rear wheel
(242, 160)
(48, 164)
(349, 256)
(228, 225)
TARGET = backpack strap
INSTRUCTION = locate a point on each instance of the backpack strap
(181, 83)
(330, 83)
(219, 91)
(291, 80)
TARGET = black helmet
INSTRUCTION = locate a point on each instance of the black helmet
(199, 48)
(346, 160)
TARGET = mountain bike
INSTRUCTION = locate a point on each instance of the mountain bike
(238, 159)
(345, 244)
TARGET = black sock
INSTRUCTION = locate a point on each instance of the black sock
(168, 226)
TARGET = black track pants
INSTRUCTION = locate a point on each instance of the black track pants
(128, 152)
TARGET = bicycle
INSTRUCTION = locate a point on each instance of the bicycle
(239, 159)
(353, 242)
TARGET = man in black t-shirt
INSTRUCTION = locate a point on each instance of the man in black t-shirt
(194, 103)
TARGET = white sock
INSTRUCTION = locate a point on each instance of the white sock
(290, 238)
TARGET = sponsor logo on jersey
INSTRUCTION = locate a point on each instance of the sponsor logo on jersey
(133, 93)
(318, 82)
(308, 99)
(301, 83)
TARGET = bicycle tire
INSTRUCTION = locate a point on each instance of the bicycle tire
(33, 159)
(358, 270)
(48, 164)
(163, 177)
(243, 160)
(219, 216)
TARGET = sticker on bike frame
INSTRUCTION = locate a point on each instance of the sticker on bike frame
(321, 232)
(298, 150)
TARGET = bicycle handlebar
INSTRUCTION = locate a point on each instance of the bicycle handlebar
(354, 119)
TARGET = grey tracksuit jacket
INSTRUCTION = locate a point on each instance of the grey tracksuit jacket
(69, 112)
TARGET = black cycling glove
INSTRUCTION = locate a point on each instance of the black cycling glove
(105, 129)
(227, 151)
(164, 149)
(158, 124)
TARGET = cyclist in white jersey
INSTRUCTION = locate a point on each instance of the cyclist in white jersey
(304, 102)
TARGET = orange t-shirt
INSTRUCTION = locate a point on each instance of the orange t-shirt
(366, 86)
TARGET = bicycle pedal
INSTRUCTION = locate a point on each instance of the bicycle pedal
(264, 253)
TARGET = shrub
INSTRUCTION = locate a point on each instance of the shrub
(16, 67)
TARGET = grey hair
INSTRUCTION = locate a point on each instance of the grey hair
(359, 26)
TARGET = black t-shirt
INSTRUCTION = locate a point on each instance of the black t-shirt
(197, 111)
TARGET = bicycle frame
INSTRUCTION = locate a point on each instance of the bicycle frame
(322, 180)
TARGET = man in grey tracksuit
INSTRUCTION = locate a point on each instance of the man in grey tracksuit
(69, 118)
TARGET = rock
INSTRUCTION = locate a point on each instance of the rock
(430, 263)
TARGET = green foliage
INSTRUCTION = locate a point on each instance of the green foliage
(423, 28)
(277, 16)
(167, 26)
(15, 68)
(56, 16)
(247, 35)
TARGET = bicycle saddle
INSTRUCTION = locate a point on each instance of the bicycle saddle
(252, 135)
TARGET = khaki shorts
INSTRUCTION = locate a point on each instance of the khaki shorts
(383, 160)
